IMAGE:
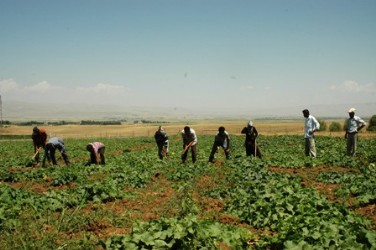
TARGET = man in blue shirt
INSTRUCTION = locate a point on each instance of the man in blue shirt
(354, 124)
(311, 125)
(51, 146)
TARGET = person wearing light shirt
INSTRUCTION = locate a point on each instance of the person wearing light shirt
(354, 124)
(96, 150)
(49, 153)
(189, 142)
(311, 125)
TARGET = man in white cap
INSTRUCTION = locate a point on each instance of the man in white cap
(311, 125)
(354, 124)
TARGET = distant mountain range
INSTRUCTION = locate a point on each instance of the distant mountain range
(22, 111)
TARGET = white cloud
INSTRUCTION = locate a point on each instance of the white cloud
(249, 87)
(45, 92)
(41, 86)
(351, 86)
(102, 88)
(8, 85)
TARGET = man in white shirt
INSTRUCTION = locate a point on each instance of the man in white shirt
(354, 124)
(311, 125)
(189, 142)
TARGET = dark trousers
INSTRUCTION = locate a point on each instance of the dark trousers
(37, 154)
(162, 150)
(193, 151)
(251, 148)
(51, 153)
(93, 157)
(214, 150)
(351, 144)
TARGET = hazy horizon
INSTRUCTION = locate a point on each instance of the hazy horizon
(23, 111)
(248, 57)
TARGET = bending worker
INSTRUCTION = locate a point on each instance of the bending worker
(189, 142)
(96, 150)
(222, 139)
(51, 146)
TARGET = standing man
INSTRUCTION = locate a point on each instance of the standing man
(161, 139)
(96, 150)
(39, 137)
(222, 139)
(311, 125)
(354, 124)
(49, 153)
(251, 147)
(189, 142)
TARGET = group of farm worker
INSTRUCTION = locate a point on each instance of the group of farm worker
(189, 138)
(221, 140)
(39, 136)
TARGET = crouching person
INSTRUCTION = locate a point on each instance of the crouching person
(96, 150)
(49, 153)
(222, 139)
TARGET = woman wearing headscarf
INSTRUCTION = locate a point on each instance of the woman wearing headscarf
(251, 147)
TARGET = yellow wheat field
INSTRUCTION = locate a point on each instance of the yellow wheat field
(266, 128)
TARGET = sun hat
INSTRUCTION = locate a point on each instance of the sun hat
(352, 110)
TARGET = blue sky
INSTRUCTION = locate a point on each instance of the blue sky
(210, 54)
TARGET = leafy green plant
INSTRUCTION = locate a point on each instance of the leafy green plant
(183, 233)
(335, 127)
(323, 125)
(45, 207)
(372, 124)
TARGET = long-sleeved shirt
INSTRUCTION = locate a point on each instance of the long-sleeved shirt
(161, 137)
(55, 141)
(189, 138)
(250, 134)
(39, 138)
(354, 123)
(222, 139)
(310, 125)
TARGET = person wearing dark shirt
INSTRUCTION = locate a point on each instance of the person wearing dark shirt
(251, 147)
(161, 139)
(39, 137)
(222, 139)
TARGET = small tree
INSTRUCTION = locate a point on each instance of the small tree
(372, 124)
(323, 125)
(335, 127)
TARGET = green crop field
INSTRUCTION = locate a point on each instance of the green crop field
(136, 201)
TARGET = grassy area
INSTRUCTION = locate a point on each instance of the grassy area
(136, 200)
